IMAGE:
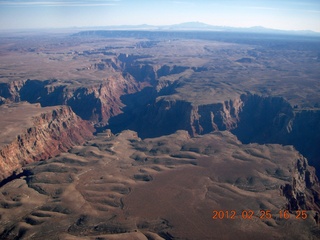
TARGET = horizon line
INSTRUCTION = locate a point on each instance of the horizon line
(128, 26)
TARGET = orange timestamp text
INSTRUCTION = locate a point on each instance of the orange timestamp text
(262, 214)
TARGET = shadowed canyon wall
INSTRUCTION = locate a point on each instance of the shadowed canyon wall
(252, 118)
(273, 120)
(96, 102)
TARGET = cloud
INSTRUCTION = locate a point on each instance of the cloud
(71, 3)
(183, 2)
(313, 11)
(281, 8)
(305, 3)
(263, 8)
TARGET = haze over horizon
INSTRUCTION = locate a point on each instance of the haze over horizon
(282, 15)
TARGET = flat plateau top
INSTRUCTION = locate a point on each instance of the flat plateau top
(14, 118)
(217, 70)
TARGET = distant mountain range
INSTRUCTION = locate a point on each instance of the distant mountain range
(199, 26)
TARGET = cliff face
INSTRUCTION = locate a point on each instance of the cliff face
(52, 132)
(273, 120)
(303, 133)
(252, 118)
(251, 115)
(263, 119)
(100, 102)
(303, 192)
(167, 115)
(220, 116)
(96, 102)
(10, 91)
(164, 117)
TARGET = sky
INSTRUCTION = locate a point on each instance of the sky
(276, 14)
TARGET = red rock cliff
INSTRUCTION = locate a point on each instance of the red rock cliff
(52, 132)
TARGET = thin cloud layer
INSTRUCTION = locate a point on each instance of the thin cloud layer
(60, 3)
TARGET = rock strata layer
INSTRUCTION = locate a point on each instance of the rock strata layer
(46, 132)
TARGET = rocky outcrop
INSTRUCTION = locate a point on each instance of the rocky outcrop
(164, 117)
(303, 192)
(263, 119)
(2, 100)
(99, 102)
(219, 116)
(52, 132)
(167, 115)
(10, 90)
(96, 102)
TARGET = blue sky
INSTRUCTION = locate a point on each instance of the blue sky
(277, 14)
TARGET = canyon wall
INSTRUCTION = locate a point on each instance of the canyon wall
(250, 115)
(252, 118)
(141, 96)
(11, 91)
(303, 192)
(121, 103)
(96, 102)
(273, 120)
(52, 132)
(93, 100)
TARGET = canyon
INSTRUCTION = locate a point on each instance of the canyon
(109, 119)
